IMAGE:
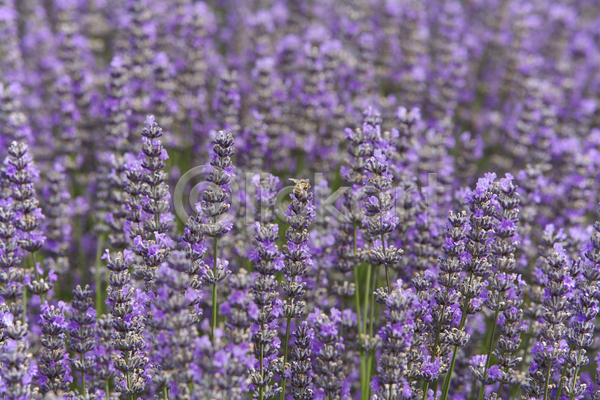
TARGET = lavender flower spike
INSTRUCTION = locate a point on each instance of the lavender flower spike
(299, 216)
(268, 260)
(301, 367)
(397, 336)
(11, 274)
(214, 204)
(18, 366)
(54, 371)
(551, 349)
(446, 295)
(128, 311)
(81, 332)
(153, 243)
(505, 288)
(476, 266)
(21, 173)
(328, 345)
(381, 219)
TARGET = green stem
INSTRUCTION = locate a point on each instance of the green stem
(128, 374)
(214, 293)
(488, 360)
(564, 372)
(367, 294)
(165, 393)
(517, 390)
(370, 354)
(107, 389)
(425, 389)
(261, 357)
(363, 368)
(463, 319)
(372, 316)
(433, 353)
(83, 391)
(357, 298)
(360, 331)
(446, 387)
(369, 365)
(387, 275)
(24, 305)
(99, 274)
(37, 275)
(547, 384)
(285, 357)
(575, 376)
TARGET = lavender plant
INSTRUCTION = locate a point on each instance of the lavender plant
(404, 270)
(297, 259)
(267, 262)
(82, 329)
(54, 372)
(214, 204)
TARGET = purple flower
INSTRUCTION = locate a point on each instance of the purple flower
(267, 261)
(549, 355)
(21, 173)
(296, 254)
(17, 370)
(327, 347)
(54, 371)
(173, 315)
(397, 334)
(130, 361)
(301, 374)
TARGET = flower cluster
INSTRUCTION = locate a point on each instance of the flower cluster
(129, 317)
(82, 329)
(53, 367)
(267, 261)
(157, 240)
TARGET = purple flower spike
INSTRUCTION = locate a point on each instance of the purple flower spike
(128, 313)
(82, 330)
(54, 371)
(174, 318)
(379, 207)
(327, 347)
(301, 373)
(398, 335)
(21, 173)
(215, 201)
(297, 256)
(550, 350)
(504, 290)
(149, 205)
(57, 224)
(17, 370)
(267, 261)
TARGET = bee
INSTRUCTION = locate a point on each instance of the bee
(302, 185)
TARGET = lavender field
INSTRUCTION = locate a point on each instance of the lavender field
(300, 199)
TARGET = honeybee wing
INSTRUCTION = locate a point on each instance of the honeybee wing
(301, 185)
